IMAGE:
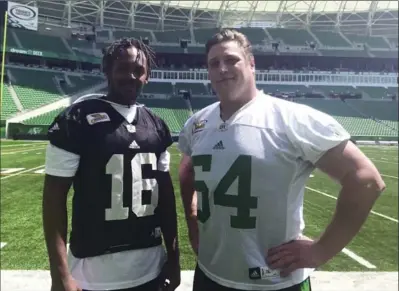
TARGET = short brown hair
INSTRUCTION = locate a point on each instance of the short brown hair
(230, 35)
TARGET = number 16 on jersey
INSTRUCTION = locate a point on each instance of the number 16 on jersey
(115, 168)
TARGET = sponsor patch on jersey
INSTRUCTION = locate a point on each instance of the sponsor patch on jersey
(199, 125)
(97, 117)
(262, 273)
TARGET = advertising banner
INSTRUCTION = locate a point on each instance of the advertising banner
(22, 16)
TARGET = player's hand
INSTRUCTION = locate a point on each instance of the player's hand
(296, 254)
(170, 275)
(67, 284)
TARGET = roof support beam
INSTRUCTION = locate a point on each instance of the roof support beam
(340, 12)
(372, 10)
(191, 18)
(222, 10)
(102, 8)
(69, 5)
(251, 13)
(280, 11)
(132, 15)
(309, 15)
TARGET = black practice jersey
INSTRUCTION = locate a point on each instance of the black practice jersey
(115, 187)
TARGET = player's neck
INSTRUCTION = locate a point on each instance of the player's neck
(228, 107)
(120, 100)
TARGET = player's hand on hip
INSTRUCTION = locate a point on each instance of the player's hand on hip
(296, 254)
(170, 276)
(67, 284)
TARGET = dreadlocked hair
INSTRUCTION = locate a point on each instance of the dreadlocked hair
(113, 52)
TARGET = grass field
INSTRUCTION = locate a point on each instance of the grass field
(22, 164)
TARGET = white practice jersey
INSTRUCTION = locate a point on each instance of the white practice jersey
(250, 175)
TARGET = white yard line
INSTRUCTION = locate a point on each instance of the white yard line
(19, 173)
(10, 170)
(2, 245)
(22, 145)
(23, 151)
(358, 259)
(381, 161)
(393, 177)
(373, 212)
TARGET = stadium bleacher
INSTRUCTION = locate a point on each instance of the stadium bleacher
(366, 109)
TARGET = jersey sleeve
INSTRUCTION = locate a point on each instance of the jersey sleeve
(60, 163)
(65, 132)
(313, 132)
(184, 143)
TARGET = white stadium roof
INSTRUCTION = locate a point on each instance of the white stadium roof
(379, 17)
(276, 6)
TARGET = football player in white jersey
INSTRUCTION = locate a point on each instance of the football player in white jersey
(114, 152)
(245, 163)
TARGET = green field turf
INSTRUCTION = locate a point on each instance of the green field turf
(21, 223)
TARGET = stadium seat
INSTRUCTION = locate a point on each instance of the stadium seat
(8, 107)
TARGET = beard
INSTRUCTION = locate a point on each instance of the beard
(126, 93)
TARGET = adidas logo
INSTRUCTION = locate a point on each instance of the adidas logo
(254, 274)
(55, 127)
(134, 145)
(219, 146)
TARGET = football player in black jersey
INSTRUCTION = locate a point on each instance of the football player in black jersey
(114, 153)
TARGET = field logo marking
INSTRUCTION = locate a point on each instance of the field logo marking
(19, 173)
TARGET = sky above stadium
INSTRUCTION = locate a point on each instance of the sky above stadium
(287, 6)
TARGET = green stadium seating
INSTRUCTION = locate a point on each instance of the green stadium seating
(44, 119)
(202, 35)
(383, 110)
(158, 88)
(8, 107)
(173, 111)
(35, 41)
(172, 36)
(372, 42)
(331, 90)
(118, 34)
(352, 120)
(379, 92)
(199, 103)
(81, 83)
(297, 37)
(35, 88)
(365, 127)
(255, 35)
(331, 39)
(80, 44)
(195, 88)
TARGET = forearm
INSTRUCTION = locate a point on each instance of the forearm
(168, 215)
(354, 204)
(188, 194)
(55, 232)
